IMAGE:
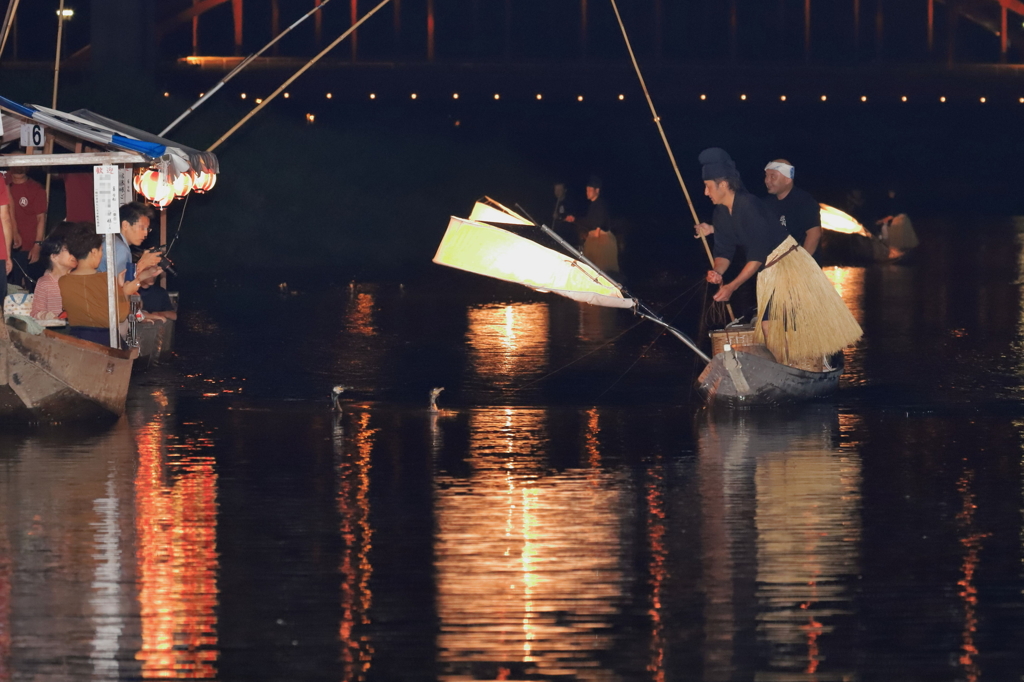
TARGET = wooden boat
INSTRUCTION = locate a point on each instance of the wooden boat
(50, 377)
(743, 373)
(844, 241)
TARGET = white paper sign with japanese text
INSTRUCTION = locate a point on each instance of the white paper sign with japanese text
(126, 191)
(106, 199)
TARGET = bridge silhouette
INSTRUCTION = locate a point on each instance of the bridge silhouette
(527, 31)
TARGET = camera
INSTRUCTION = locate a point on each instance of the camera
(164, 263)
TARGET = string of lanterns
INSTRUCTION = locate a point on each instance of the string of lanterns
(158, 189)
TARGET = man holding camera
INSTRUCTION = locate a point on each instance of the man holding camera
(135, 224)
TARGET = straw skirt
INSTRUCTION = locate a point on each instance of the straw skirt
(808, 316)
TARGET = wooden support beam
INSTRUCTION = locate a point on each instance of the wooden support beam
(195, 31)
(85, 159)
(185, 15)
(931, 26)
(1003, 43)
(354, 38)
(236, 13)
(430, 30)
(318, 24)
(807, 30)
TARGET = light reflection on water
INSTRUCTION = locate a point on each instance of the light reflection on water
(508, 342)
(782, 505)
(849, 282)
(879, 539)
(530, 563)
(176, 519)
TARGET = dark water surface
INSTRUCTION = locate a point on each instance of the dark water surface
(590, 524)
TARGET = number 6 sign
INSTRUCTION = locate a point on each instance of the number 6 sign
(32, 135)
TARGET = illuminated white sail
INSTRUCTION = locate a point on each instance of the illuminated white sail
(494, 252)
(487, 210)
(837, 221)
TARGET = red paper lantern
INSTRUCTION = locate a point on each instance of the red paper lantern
(155, 187)
(205, 181)
(182, 184)
(136, 182)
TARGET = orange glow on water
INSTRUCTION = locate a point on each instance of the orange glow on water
(353, 464)
(359, 316)
(528, 560)
(508, 342)
(849, 282)
(176, 524)
(971, 542)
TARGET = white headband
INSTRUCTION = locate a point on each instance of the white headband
(783, 168)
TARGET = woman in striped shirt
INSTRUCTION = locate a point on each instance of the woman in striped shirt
(46, 303)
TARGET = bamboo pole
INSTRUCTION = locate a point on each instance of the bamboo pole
(664, 139)
(298, 73)
(56, 61)
(241, 65)
(9, 18)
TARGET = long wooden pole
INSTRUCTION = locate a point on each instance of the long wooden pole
(664, 139)
(9, 18)
(298, 73)
(56, 81)
(56, 61)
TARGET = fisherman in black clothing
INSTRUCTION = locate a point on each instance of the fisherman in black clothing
(800, 314)
(600, 246)
(796, 210)
(739, 220)
(597, 211)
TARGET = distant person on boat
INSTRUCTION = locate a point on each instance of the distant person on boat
(795, 209)
(136, 219)
(563, 209)
(896, 230)
(29, 201)
(46, 301)
(800, 315)
(599, 244)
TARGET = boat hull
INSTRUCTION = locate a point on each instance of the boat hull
(56, 378)
(738, 379)
(156, 341)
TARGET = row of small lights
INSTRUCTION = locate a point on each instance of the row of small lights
(579, 98)
(864, 98)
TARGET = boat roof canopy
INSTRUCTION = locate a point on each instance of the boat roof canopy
(105, 133)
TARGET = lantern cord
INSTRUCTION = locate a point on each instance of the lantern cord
(664, 138)
(298, 73)
(180, 221)
(241, 65)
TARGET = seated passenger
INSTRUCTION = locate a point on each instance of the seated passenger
(84, 291)
(46, 303)
(156, 302)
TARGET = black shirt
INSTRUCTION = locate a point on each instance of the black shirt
(597, 216)
(797, 213)
(749, 225)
